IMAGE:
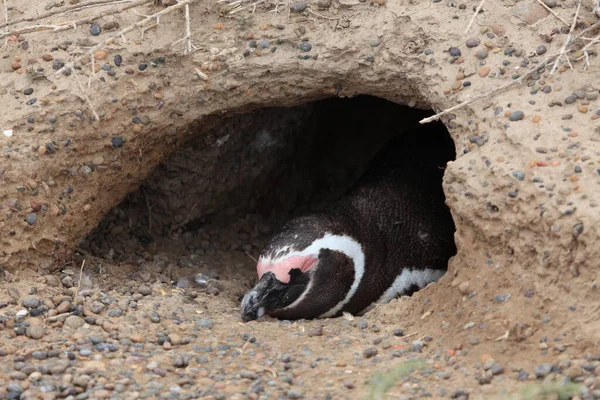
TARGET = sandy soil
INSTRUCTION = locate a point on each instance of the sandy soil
(518, 310)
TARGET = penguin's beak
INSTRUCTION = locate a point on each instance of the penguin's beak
(270, 295)
(254, 301)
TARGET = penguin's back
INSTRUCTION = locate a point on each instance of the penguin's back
(400, 217)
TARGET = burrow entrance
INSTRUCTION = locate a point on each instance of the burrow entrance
(212, 204)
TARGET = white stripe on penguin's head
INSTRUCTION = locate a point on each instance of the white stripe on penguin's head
(342, 243)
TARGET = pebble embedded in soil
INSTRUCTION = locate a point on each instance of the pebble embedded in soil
(541, 49)
(95, 29)
(472, 43)
(370, 352)
(305, 47)
(31, 218)
(454, 52)
(516, 115)
(298, 6)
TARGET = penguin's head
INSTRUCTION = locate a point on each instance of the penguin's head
(305, 274)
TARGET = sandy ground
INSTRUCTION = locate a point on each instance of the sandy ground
(517, 313)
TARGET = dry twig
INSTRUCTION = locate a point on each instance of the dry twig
(189, 46)
(72, 24)
(87, 98)
(561, 19)
(252, 258)
(80, 278)
(515, 82)
(474, 15)
(563, 49)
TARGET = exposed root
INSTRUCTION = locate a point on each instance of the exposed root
(477, 10)
(87, 98)
(563, 49)
(189, 46)
(80, 278)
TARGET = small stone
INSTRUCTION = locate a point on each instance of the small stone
(299, 6)
(318, 331)
(324, 4)
(519, 175)
(15, 65)
(516, 115)
(110, 26)
(100, 54)
(536, 119)
(571, 99)
(498, 29)
(263, 44)
(370, 352)
(542, 370)
(294, 394)
(47, 57)
(204, 323)
(36, 331)
(398, 332)
(529, 13)
(577, 230)
(523, 376)
(74, 322)
(541, 49)
(95, 29)
(142, 67)
(496, 369)
(484, 71)
(305, 47)
(117, 142)
(118, 60)
(574, 372)
(348, 384)
(154, 317)
(248, 374)
(582, 109)
(28, 91)
(473, 42)
(482, 54)
(454, 51)
(144, 290)
(180, 361)
(550, 3)
(31, 218)
(31, 302)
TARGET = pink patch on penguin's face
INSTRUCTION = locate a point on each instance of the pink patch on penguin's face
(281, 269)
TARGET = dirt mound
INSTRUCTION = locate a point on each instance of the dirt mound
(174, 114)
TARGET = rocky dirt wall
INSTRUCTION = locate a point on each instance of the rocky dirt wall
(525, 183)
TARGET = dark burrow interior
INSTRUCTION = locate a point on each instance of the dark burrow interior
(202, 216)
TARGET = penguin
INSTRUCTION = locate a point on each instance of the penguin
(390, 235)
